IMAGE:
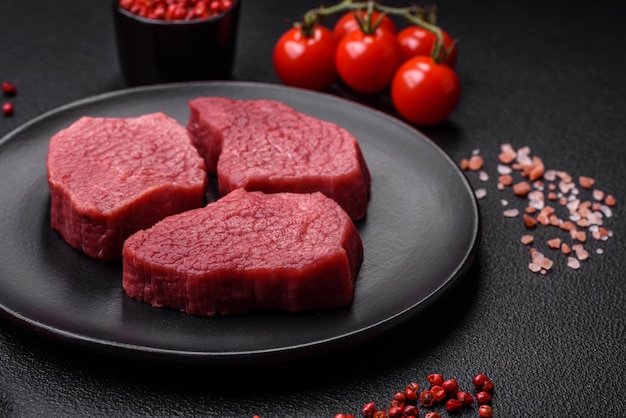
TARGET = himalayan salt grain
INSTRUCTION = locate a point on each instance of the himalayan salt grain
(599, 251)
(511, 213)
(527, 239)
(536, 204)
(507, 156)
(504, 169)
(552, 196)
(566, 187)
(529, 221)
(609, 200)
(586, 182)
(537, 169)
(550, 175)
(535, 195)
(480, 193)
(573, 263)
(565, 249)
(500, 186)
(464, 164)
(475, 163)
(606, 211)
(564, 176)
(582, 254)
(504, 202)
(535, 268)
(483, 176)
(543, 262)
(523, 156)
(554, 243)
(572, 205)
(530, 209)
(475, 151)
(505, 180)
(522, 188)
(594, 219)
(597, 194)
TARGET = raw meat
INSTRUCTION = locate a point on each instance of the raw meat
(247, 251)
(110, 177)
(268, 146)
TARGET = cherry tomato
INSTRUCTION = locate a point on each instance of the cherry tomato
(306, 61)
(367, 63)
(416, 40)
(424, 92)
(348, 23)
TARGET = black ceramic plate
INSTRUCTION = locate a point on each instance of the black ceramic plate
(420, 235)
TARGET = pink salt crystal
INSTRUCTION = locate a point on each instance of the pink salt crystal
(545, 263)
(504, 169)
(598, 194)
(527, 239)
(573, 263)
(549, 175)
(511, 213)
(480, 193)
(535, 268)
(582, 254)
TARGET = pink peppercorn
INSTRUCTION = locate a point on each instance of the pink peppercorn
(451, 387)
(485, 411)
(8, 109)
(453, 405)
(435, 379)
(8, 88)
(464, 397)
(483, 397)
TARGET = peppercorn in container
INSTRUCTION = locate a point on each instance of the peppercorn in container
(161, 42)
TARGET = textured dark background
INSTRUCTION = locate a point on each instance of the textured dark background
(549, 75)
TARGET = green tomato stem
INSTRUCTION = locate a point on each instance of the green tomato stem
(420, 16)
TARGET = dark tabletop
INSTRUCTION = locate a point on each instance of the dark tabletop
(534, 74)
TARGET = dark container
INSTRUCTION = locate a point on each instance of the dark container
(154, 51)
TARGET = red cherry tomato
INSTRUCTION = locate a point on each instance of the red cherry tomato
(424, 92)
(348, 23)
(367, 63)
(416, 40)
(306, 61)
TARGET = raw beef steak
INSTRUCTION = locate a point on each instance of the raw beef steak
(268, 146)
(247, 251)
(110, 177)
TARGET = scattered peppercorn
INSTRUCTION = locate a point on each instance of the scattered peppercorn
(453, 405)
(435, 379)
(485, 411)
(411, 410)
(404, 403)
(465, 398)
(369, 409)
(439, 393)
(427, 398)
(8, 109)
(451, 387)
(8, 88)
(483, 398)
